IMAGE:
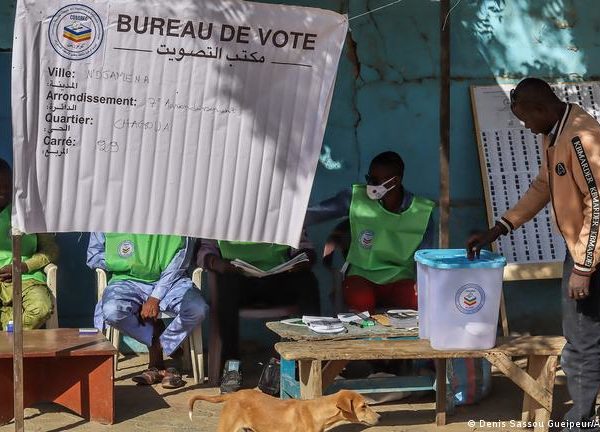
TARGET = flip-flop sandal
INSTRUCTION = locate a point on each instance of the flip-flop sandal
(148, 377)
(172, 379)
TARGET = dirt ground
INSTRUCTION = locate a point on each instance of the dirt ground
(154, 409)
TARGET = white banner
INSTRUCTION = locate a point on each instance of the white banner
(199, 118)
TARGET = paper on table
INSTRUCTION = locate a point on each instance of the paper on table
(324, 324)
(253, 271)
(353, 317)
(403, 318)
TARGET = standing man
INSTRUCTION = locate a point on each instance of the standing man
(567, 178)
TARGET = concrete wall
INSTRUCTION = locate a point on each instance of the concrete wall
(387, 97)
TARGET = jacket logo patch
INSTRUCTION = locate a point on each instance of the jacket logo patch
(560, 169)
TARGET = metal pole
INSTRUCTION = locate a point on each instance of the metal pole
(17, 332)
(444, 124)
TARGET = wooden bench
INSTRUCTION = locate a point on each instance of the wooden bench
(320, 362)
(64, 367)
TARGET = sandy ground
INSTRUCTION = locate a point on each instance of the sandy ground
(155, 409)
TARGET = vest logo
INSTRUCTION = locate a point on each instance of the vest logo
(365, 239)
(76, 32)
(560, 169)
(126, 249)
(469, 299)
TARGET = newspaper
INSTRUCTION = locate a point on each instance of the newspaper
(250, 270)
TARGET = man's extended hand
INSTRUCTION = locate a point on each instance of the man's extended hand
(328, 250)
(150, 309)
(579, 286)
(6, 272)
(479, 240)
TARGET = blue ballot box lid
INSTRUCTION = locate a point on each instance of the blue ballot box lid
(448, 259)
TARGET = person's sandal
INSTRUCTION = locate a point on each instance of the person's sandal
(172, 379)
(149, 377)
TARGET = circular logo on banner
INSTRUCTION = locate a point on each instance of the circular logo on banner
(470, 299)
(126, 249)
(76, 32)
(366, 239)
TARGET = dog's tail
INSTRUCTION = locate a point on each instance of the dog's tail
(211, 399)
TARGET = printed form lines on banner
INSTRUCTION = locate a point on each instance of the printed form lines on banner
(131, 49)
(292, 64)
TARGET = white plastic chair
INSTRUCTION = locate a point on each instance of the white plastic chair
(192, 346)
(51, 270)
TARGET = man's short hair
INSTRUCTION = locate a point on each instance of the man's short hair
(533, 90)
(390, 159)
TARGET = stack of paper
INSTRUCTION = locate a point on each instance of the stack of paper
(250, 270)
(349, 317)
(403, 318)
(324, 324)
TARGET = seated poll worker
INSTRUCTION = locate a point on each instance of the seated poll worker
(37, 251)
(148, 275)
(387, 224)
(297, 286)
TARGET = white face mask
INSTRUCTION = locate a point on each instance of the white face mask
(378, 192)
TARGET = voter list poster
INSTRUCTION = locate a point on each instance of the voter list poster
(198, 118)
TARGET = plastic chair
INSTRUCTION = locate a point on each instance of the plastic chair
(51, 270)
(192, 346)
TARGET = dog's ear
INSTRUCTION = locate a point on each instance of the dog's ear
(345, 402)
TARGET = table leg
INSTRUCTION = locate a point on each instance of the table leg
(535, 364)
(311, 379)
(331, 370)
(440, 392)
(545, 368)
(101, 394)
(6, 391)
(85, 386)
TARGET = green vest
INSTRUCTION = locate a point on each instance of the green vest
(141, 257)
(384, 243)
(264, 256)
(28, 246)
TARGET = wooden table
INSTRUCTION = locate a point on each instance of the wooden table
(290, 387)
(61, 366)
(316, 359)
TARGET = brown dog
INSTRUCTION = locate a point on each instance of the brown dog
(255, 411)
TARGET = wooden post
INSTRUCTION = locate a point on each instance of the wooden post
(444, 124)
(17, 332)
